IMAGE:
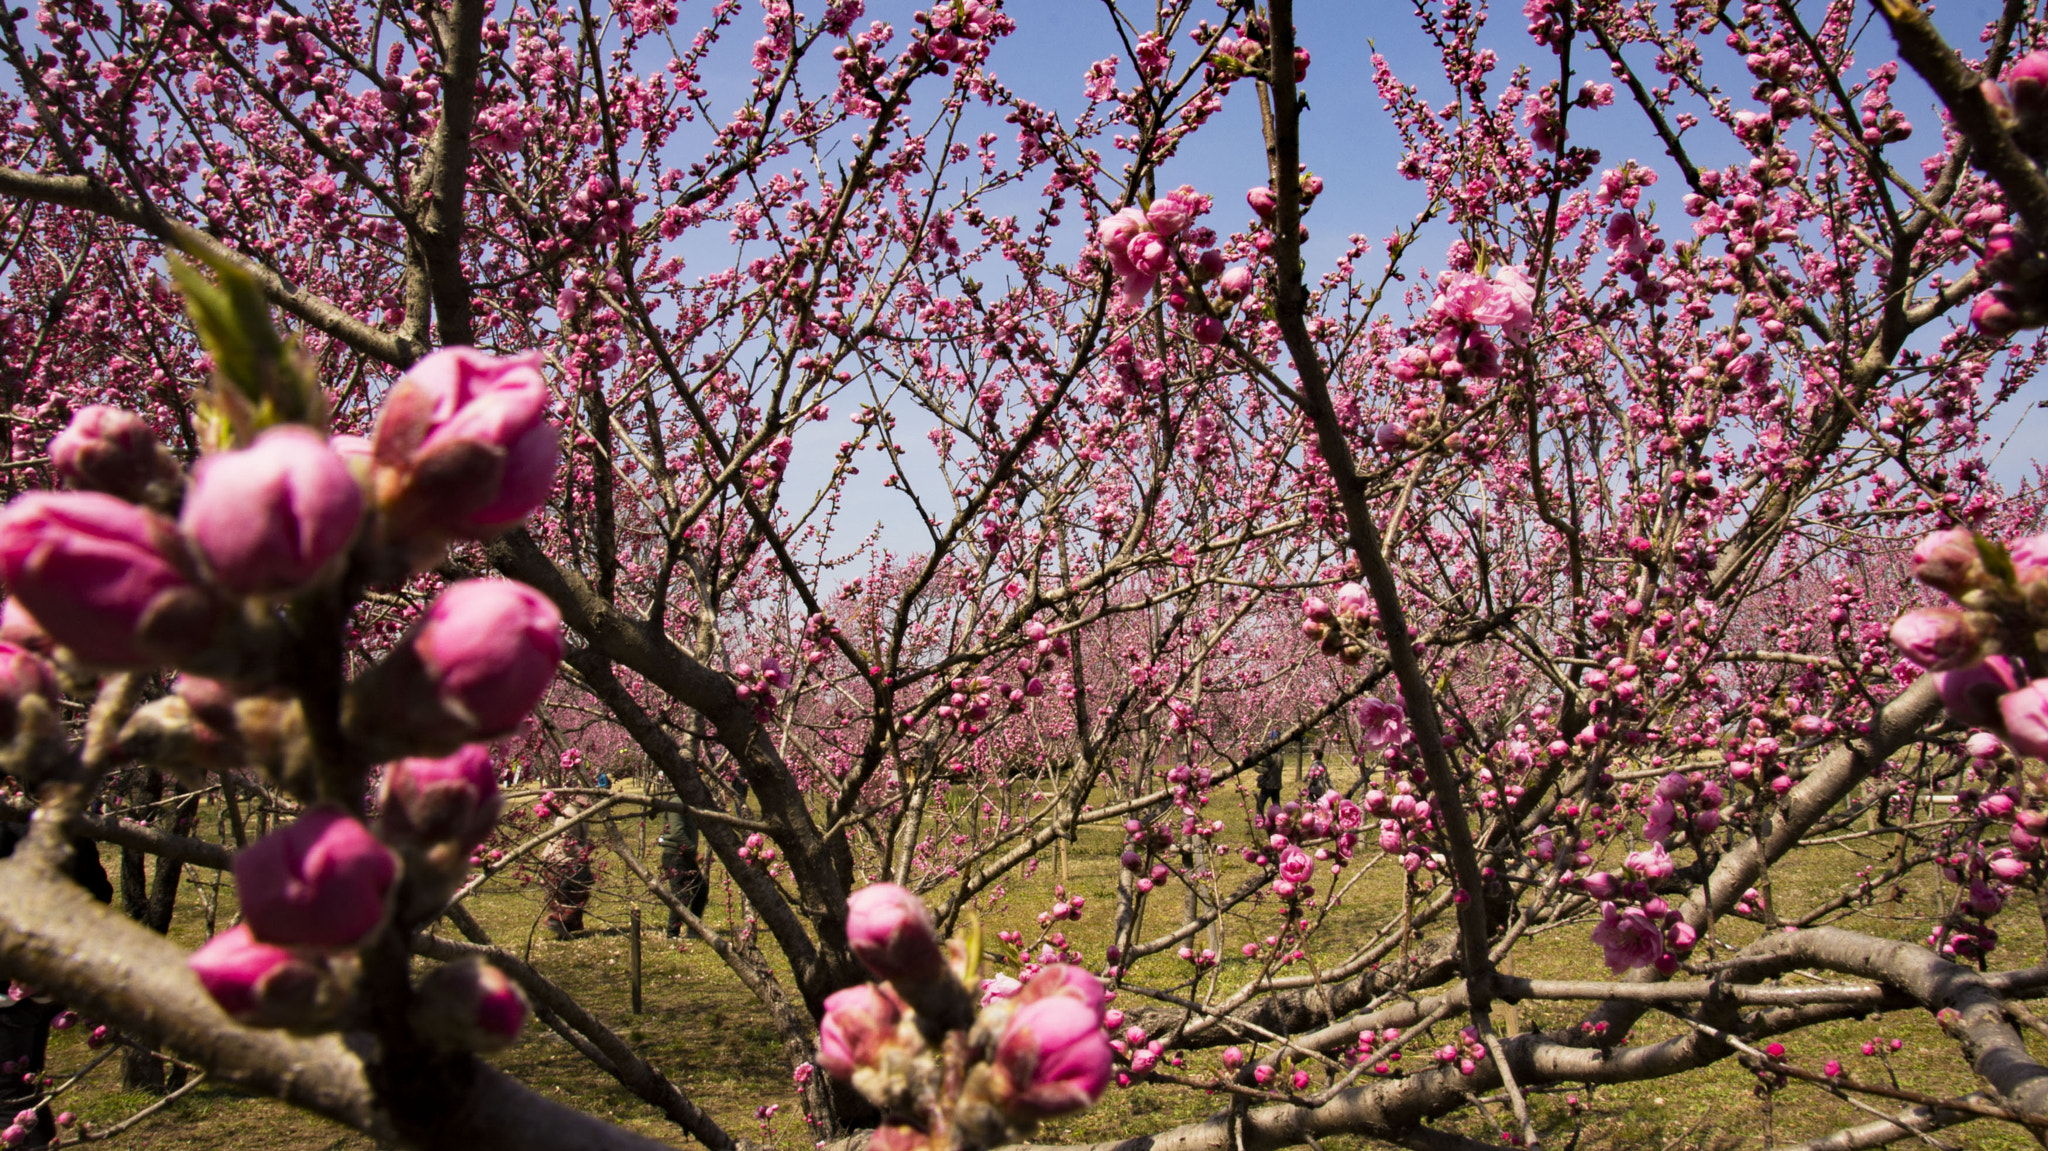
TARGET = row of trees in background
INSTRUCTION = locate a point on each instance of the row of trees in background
(1621, 457)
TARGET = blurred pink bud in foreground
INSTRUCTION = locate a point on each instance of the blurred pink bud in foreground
(320, 882)
(468, 1005)
(858, 1022)
(108, 449)
(270, 517)
(1052, 1059)
(263, 985)
(451, 800)
(107, 579)
(890, 931)
(463, 446)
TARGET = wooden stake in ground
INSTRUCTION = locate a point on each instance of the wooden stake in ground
(635, 927)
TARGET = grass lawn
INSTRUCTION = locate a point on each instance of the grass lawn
(707, 1035)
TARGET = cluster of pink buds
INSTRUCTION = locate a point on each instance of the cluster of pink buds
(2011, 256)
(950, 1068)
(1466, 304)
(1985, 648)
(1339, 630)
(1466, 1054)
(1404, 820)
(1693, 798)
(1382, 1046)
(1243, 55)
(1141, 245)
(958, 32)
(757, 685)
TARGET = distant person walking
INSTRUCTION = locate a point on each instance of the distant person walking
(1269, 781)
(1318, 780)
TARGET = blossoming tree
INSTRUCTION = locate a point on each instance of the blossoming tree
(1587, 523)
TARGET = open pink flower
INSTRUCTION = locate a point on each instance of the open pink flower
(1628, 938)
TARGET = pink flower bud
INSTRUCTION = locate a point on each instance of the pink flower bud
(1067, 980)
(107, 579)
(1934, 637)
(890, 931)
(859, 1022)
(1264, 203)
(463, 447)
(896, 1137)
(1233, 1058)
(320, 882)
(1149, 254)
(2025, 714)
(1052, 1059)
(2027, 81)
(21, 629)
(271, 517)
(1971, 693)
(1948, 560)
(468, 1005)
(474, 665)
(1234, 283)
(1601, 885)
(109, 450)
(1168, 215)
(453, 800)
(266, 986)
(24, 674)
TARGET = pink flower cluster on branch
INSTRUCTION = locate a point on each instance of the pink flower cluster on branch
(948, 1071)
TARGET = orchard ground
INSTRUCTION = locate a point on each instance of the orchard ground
(701, 1029)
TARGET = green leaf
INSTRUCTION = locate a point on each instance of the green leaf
(261, 378)
(1996, 559)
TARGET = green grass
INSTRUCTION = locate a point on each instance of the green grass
(706, 1034)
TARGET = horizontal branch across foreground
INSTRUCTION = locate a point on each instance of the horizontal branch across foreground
(57, 939)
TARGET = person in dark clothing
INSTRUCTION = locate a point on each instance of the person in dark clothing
(25, 1023)
(680, 869)
(1269, 781)
(1318, 780)
(565, 869)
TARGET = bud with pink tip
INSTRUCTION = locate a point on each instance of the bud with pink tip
(267, 986)
(323, 881)
(1052, 1059)
(858, 1023)
(896, 1137)
(473, 666)
(450, 801)
(107, 449)
(1067, 980)
(1999, 312)
(468, 1005)
(890, 931)
(28, 693)
(1948, 560)
(270, 518)
(2025, 716)
(1934, 636)
(107, 579)
(1971, 693)
(2027, 82)
(463, 447)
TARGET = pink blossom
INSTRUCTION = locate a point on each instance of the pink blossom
(1628, 939)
